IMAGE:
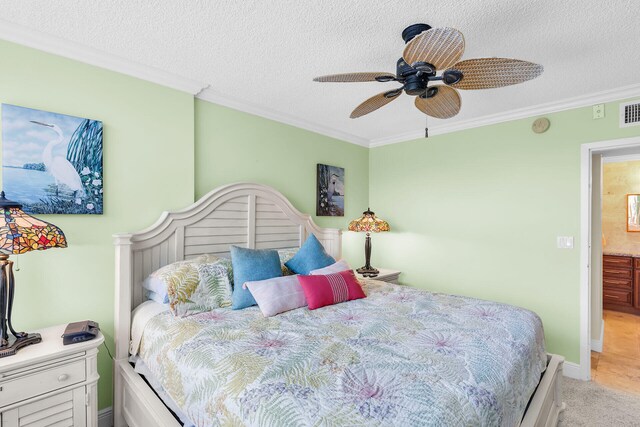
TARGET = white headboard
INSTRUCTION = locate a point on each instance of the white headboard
(243, 214)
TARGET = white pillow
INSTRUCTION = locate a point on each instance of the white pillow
(277, 295)
(157, 298)
(337, 267)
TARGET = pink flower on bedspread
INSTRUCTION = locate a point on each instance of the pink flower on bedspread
(268, 343)
(486, 313)
(402, 297)
(442, 342)
(344, 316)
(374, 397)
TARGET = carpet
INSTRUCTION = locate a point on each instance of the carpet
(590, 404)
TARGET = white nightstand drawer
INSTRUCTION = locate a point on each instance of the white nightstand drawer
(27, 386)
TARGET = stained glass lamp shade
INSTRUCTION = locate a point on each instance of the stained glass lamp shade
(368, 223)
(19, 234)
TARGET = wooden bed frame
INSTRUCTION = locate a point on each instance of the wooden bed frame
(245, 214)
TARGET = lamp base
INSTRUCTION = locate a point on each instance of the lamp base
(16, 344)
(368, 271)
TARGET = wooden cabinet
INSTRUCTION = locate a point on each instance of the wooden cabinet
(621, 283)
(50, 384)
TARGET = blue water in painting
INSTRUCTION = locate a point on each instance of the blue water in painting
(338, 201)
(25, 185)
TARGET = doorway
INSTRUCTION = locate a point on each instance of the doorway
(591, 267)
(615, 333)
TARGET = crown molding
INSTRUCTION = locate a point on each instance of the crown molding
(38, 40)
(521, 113)
(212, 96)
(56, 45)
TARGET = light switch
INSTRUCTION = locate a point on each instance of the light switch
(565, 242)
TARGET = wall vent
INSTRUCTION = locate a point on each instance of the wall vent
(630, 114)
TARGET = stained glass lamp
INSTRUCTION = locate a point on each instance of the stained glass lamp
(19, 234)
(368, 223)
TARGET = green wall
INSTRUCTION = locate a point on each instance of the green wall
(152, 135)
(232, 146)
(474, 212)
(148, 168)
(477, 213)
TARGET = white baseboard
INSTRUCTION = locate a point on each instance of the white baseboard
(596, 345)
(572, 370)
(105, 417)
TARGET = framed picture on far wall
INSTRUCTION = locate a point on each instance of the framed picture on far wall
(633, 212)
(330, 191)
(51, 163)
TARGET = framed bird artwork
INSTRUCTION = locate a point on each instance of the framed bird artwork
(330, 191)
(52, 163)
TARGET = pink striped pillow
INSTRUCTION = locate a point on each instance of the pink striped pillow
(330, 289)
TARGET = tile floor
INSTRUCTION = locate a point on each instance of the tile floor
(618, 366)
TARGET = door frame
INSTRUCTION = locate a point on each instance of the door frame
(586, 154)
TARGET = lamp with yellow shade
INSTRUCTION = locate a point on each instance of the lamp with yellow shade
(368, 223)
(19, 233)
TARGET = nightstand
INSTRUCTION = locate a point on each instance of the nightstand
(390, 276)
(50, 384)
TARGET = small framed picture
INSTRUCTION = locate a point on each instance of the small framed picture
(633, 212)
(330, 191)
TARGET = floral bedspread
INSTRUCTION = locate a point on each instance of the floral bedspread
(400, 357)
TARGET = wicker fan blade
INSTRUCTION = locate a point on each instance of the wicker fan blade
(375, 102)
(487, 73)
(443, 105)
(356, 77)
(440, 47)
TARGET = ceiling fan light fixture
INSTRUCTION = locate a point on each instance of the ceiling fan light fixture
(385, 78)
(393, 93)
(452, 77)
(413, 30)
(430, 92)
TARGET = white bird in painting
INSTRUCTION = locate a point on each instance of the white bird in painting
(331, 189)
(58, 166)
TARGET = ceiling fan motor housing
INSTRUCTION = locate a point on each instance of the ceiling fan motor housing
(415, 79)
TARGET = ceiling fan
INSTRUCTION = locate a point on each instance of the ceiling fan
(427, 52)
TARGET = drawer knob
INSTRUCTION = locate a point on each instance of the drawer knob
(63, 377)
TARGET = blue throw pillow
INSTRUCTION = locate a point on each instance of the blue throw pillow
(250, 265)
(311, 256)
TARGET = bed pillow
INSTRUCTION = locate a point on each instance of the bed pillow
(310, 256)
(285, 255)
(156, 297)
(329, 289)
(157, 282)
(250, 265)
(201, 286)
(277, 295)
(337, 267)
(192, 286)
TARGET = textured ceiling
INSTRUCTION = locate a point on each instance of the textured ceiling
(265, 54)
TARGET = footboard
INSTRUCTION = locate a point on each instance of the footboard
(141, 407)
(546, 403)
